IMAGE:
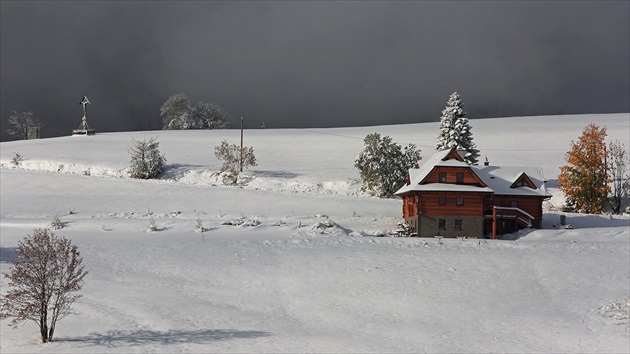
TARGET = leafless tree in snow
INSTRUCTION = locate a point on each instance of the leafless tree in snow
(43, 283)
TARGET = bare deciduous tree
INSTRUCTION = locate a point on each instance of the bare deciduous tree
(619, 175)
(178, 113)
(21, 123)
(175, 112)
(209, 116)
(44, 282)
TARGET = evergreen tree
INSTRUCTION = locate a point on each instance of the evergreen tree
(383, 164)
(455, 131)
(146, 161)
(584, 179)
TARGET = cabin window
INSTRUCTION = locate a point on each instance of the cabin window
(442, 224)
(522, 183)
(459, 225)
(460, 177)
(460, 201)
(442, 177)
(515, 204)
(442, 200)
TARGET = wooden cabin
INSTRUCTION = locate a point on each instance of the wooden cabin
(448, 197)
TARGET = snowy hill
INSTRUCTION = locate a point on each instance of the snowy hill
(284, 264)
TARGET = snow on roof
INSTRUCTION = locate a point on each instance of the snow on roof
(499, 179)
(437, 159)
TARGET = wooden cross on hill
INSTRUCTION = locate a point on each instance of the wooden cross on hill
(84, 102)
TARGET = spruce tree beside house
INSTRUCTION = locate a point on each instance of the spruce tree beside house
(455, 131)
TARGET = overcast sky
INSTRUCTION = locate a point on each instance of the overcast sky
(311, 64)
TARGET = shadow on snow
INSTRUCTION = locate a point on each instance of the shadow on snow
(116, 338)
(275, 174)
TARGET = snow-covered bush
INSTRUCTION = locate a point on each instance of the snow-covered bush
(327, 227)
(242, 222)
(152, 227)
(16, 160)
(617, 310)
(146, 161)
(233, 160)
(229, 177)
(455, 132)
(383, 165)
(199, 225)
(56, 223)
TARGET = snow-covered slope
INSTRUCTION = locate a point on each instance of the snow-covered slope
(284, 264)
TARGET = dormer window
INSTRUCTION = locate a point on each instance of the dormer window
(523, 181)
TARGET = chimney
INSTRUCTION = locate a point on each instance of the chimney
(486, 163)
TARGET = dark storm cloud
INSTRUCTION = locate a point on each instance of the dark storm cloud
(311, 64)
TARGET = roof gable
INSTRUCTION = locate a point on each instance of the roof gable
(523, 181)
(432, 175)
(452, 154)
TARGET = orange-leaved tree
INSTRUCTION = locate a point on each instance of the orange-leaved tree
(584, 178)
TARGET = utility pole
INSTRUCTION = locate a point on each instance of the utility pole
(241, 144)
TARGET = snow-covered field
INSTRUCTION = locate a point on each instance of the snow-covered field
(299, 270)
